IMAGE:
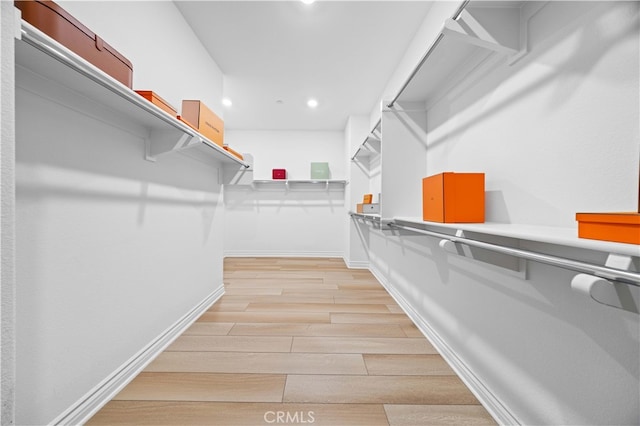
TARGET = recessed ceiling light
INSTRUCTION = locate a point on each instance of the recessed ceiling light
(307, 1)
(312, 103)
(227, 102)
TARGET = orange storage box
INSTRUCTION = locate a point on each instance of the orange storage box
(616, 227)
(203, 119)
(157, 101)
(60, 25)
(367, 199)
(193, 126)
(453, 198)
(233, 152)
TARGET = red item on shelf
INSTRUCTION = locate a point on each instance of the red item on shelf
(279, 174)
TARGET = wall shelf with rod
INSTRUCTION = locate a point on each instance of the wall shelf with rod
(561, 236)
(39, 58)
(615, 284)
(476, 32)
(371, 144)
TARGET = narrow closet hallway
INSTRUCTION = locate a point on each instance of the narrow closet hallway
(298, 341)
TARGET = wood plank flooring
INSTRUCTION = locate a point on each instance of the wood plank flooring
(297, 341)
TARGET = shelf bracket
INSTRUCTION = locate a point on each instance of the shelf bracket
(507, 263)
(158, 144)
(477, 35)
(616, 294)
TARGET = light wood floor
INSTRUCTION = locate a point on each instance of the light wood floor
(298, 341)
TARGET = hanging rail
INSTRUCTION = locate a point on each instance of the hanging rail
(365, 217)
(37, 39)
(628, 277)
(426, 56)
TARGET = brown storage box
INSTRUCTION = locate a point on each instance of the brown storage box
(58, 24)
(453, 198)
(616, 227)
(205, 120)
(157, 101)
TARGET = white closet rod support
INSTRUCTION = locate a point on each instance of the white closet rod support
(627, 277)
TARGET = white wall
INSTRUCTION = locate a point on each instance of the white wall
(556, 133)
(359, 177)
(304, 221)
(7, 213)
(111, 249)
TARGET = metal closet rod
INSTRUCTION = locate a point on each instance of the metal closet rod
(369, 217)
(628, 277)
(426, 56)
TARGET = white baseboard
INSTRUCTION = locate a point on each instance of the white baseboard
(490, 402)
(357, 264)
(266, 253)
(81, 411)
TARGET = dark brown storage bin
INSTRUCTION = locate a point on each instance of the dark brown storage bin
(58, 24)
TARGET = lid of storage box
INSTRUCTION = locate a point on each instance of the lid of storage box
(631, 218)
(67, 16)
(151, 94)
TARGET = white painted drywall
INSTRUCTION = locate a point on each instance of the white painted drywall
(111, 249)
(7, 213)
(359, 176)
(304, 221)
(556, 133)
(404, 147)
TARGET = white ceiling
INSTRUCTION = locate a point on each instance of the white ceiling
(340, 52)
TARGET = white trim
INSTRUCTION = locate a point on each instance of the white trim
(83, 409)
(357, 264)
(490, 402)
(297, 253)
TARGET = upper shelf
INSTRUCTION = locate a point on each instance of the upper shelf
(50, 60)
(371, 144)
(477, 31)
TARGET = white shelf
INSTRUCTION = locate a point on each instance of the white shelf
(371, 146)
(544, 234)
(294, 181)
(366, 215)
(48, 59)
(477, 31)
(289, 184)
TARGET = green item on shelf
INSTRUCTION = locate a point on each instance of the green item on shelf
(320, 171)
